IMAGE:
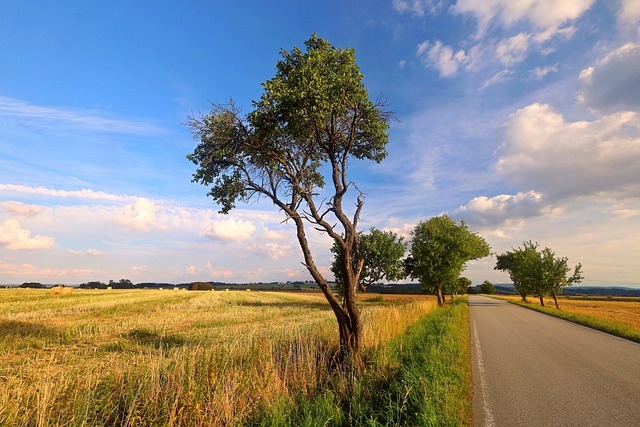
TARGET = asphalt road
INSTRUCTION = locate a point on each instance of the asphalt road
(532, 369)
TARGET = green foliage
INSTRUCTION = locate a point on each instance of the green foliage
(382, 252)
(463, 284)
(487, 287)
(439, 250)
(315, 111)
(538, 272)
(32, 285)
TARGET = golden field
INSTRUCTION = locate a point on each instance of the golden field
(165, 357)
(624, 312)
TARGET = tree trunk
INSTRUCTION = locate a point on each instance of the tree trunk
(541, 301)
(440, 296)
(348, 313)
(555, 299)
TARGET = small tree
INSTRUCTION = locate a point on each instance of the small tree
(487, 287)
(463, 284)
(555, 272)
(440, 248)
(521, 265)
(382, 252)
(314, 117)
(538, 272)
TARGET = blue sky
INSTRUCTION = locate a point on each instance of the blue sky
(520, 117)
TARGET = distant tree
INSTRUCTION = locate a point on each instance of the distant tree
(487, 287)
(538, 272)
(463, 284)
(521, 265)
(33, 285)
(383, 253)
(440, 248)
(313, 119)
(121, 284)
(555, 273)
(93, 285)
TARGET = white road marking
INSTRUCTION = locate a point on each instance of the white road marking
(488, 415)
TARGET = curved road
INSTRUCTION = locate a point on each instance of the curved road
(532, 369)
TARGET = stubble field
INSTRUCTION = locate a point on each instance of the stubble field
(150, 357)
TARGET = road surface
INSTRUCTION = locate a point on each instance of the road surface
(532, 369)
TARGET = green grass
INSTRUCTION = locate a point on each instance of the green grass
(608, 326)
(421, 378)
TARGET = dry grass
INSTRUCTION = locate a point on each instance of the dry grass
(93, 357)
(624, 312)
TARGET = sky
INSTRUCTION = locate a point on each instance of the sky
(520, 117)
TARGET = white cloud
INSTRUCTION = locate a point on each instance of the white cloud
(32, 272)
(613, 83)
(140, 216)
(629, 11)
(14, 237)
(219, 273)
(83, 119)
(501, 76)
(80, 194)
(486, 211)
(275, 251)
(89, 252)
(268, 234)
(21, 209)
(541, 13)
(514, 49)
(229, 230)
(442, 58)
(540, 72)
(560, 159)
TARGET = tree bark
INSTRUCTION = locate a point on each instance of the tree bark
(541, 301)
(440, 296)
(555, 299)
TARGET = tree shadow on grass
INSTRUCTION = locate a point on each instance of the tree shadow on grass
(12, 328)
(155, 340)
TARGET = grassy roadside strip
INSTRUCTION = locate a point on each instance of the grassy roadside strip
(421, 378)
(608, 326)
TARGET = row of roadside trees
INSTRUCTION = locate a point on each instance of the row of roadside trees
(438, 252)
(538, 272)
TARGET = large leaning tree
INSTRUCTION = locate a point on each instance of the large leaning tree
(440, 248)
(294, 149)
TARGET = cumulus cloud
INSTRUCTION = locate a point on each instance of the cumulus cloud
(140, 216)
(629, 11)
(613, 83)
(14, 237)
(229, 230)
(488, 211)
(541, 13)
(442, 58)
(21, 209)
(560, 159)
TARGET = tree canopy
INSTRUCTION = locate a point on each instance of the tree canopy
(440, 248)
(538, 272)
(383, 253)
(294, 149)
